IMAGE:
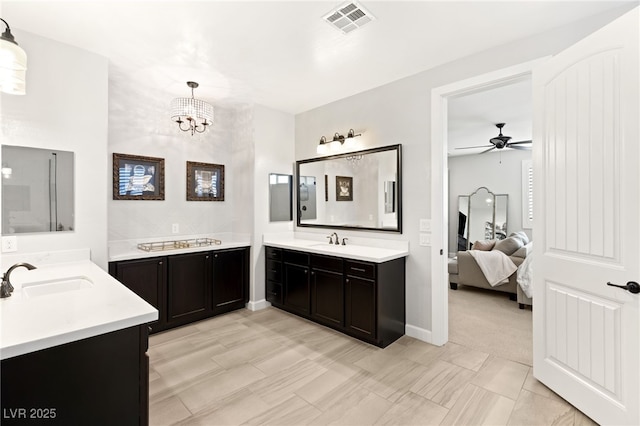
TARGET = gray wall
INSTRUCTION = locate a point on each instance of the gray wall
(468, 173)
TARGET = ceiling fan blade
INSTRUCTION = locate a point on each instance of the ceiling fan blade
(472, 147)
(523, 148)
(490, 149)
(514, 143)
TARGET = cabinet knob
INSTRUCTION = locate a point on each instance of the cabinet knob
(160, 263)
(215, 255)
(206, 257)
(347, 280)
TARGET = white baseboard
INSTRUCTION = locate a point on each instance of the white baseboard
(256, 306)
(418, 333)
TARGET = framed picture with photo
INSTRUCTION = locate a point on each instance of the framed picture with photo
(344, 188)
(205, 182)
(137, 178)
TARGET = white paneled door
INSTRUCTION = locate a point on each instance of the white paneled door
(587, 230)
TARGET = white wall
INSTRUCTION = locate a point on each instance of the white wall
(274, 148)
(65, 108)
(139, 124)
(399, 112)
(500, 172)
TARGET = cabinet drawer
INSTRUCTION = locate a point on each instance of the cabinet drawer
(274, 271)
(327, 263)
(360, 269)
(296, 257)
(274, 292)
(273, 253)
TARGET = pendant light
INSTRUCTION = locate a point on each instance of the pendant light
(196, 114)
(13, 64)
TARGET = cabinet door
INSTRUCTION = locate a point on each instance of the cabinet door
(327, 297)
(229, 279)
(360, 300)
(189, 291)
(146, 278)
(296, 288)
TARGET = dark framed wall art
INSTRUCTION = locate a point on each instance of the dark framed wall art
(344, 188)
(137, 178)
(205, 182)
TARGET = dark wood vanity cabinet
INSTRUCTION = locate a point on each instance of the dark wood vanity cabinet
(147, 279)
(274, 292)
(327, 290)
(100, 380)
(188, 287)
(230, 280)
(296, 281)
(363, 299)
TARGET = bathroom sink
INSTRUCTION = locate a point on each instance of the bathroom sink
(60, 285)
(327, 246)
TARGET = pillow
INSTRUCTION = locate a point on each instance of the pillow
(524, 250)
(509, 245)
(485, 245)
(522, 236)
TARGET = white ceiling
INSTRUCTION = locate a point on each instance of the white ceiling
(282, 54)
(472, 118)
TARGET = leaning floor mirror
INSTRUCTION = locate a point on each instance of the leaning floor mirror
(482, 215)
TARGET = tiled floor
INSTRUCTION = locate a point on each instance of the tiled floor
(269, 367)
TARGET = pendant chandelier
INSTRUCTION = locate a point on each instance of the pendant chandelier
(13, 64)
(195, 114)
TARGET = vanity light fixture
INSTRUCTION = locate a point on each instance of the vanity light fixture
(196, 114)
(337, 142)
(13, 64)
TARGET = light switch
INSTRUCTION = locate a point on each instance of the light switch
(425, 225)
(425, 240)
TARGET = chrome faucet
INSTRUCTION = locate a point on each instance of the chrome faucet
(6, 288)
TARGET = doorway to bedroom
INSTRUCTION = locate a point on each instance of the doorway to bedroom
(488, 166)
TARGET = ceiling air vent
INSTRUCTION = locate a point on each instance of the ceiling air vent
(348, 17)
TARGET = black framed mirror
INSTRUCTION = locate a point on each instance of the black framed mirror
(359, 190)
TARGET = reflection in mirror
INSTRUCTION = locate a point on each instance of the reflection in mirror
(389, 196)
(307, 197)
(280, 197)
(481, 216)
(373, 200)
(37, 190)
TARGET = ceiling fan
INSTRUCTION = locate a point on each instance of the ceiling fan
(501, 141)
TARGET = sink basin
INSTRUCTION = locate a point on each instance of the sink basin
(327, 246)
(60, 285)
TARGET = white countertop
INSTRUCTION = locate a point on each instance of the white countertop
(368, 250)
(128, 249)
(29, 324)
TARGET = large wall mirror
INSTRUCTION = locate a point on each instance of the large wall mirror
(358, 190)
(482, 215)
(37, 190)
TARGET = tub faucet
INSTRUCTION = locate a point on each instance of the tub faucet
(6, 288)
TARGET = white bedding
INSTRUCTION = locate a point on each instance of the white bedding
(495, 265)
(525, 276)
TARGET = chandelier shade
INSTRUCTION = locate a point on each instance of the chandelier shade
(13, 64)
(195, 114)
